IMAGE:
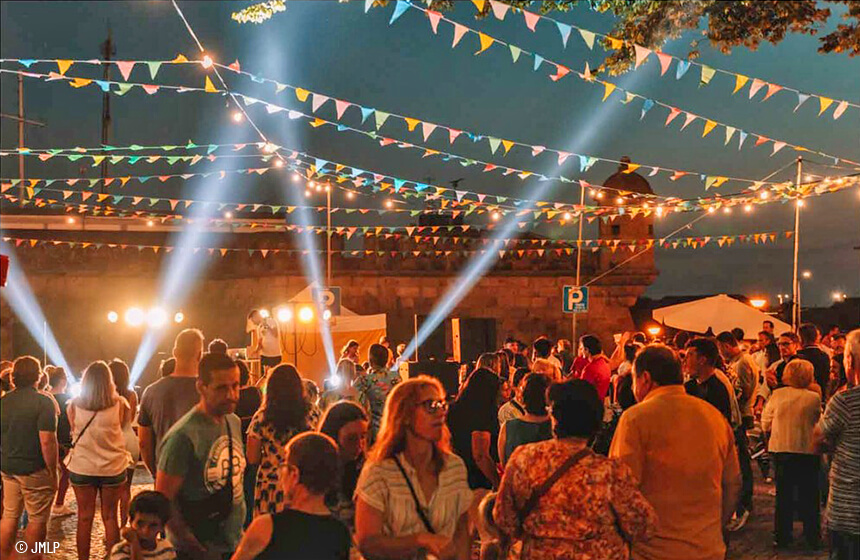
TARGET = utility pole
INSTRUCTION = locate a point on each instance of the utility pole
(21, 138)
(108, 49)
(795, 316)
(578, 259)
(328, 236)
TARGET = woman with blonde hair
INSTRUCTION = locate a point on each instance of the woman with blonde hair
(790, 416)
(98, 459)
(412, 498)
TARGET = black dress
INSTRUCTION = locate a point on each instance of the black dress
(297, 535)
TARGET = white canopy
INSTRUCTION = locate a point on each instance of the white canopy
(719, 313)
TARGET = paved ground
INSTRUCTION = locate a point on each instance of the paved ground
(751, 543)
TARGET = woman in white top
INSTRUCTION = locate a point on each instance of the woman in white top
(790, 416)
(98, 459)
(413, 498)
(121, 378)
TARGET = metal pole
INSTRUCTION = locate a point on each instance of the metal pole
(21, 138)
(415, 327)
(107, 51)
(44, 343)
(328, 236)
(578, 258)
(795, 316)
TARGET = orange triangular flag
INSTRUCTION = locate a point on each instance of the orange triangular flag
(486, 41)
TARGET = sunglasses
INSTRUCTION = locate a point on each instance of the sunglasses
(432, 406)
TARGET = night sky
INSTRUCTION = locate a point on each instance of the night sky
(337, 50)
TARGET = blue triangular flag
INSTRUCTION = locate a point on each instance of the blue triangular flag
(538, 60)
(103, 84)
(801, 99)
(398, 184)
(401, 7)
(564, 29)
(342, 127)
(420, 186)
(27, 62)
(743, 136)
(683, 66)
(365, 113)
(646, 106)
(320, 163)
(367, 5)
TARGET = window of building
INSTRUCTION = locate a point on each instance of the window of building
(616, 231)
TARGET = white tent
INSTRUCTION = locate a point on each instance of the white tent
(719, 313)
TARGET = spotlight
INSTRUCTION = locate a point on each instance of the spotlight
(157, 317)
(284, 314)
(135, 316)
(838, 296)
(318, 187)
(279, 163)
(619, 200)
(270, 148)
(727, 210)
(75, 390)
(593, 192)
(238, 117)
(207, 61)
(800, 203)
(334, 381)
(495, 216)
(308, 194)
(70, 220)
(327, 188)
(349, 195)
(567, 216)
(112, 316)
(388, 204)
(150, 223)
(748, 208)
(599, 195)
(711, 210)
(764, 195)
(306, 314)
(806, 274)
(228, 214)
(178, 317)
(809, 178)
(326, 315)
(659, 210)
(296, 177)
(654, 331)
(758, 303)
(311, 184)
(264, 313)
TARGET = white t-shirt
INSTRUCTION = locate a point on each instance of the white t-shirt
(268, 331)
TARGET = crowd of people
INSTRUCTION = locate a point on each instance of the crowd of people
(544, 453)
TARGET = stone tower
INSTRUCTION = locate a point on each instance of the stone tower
(626, 188)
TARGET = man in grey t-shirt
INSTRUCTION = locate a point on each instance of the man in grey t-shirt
(167, 400)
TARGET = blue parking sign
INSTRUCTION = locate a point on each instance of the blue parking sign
(574, 299)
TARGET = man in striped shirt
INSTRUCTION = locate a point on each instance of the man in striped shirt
(839, 432)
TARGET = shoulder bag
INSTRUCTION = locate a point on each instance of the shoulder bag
(421, 513)
(68, 458)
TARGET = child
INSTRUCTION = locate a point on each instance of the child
(306, 528)
(148, 514)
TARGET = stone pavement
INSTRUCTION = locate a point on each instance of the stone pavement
(753, 542)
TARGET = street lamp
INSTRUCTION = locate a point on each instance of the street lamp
(806, 274)
(758, 303)
(654, 331)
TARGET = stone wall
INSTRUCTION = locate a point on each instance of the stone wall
(76, 288)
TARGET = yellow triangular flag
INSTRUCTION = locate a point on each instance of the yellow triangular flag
(302, 94)
(709, 126)
(740, 81)
(631, 167)
(209, 88)
(63, 65)
(411, 123)
(479, 4)
(486, 41)
(508, 145)
(615, 43)
(608, 89)
(179, 58)
(825, 103)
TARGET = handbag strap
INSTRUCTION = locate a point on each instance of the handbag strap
(418, 507)
(229, 454)
(539, 492)
(81, 433)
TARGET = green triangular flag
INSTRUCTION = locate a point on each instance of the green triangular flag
(123, 88)
(380, 119)
(515, 52)
(153, 68)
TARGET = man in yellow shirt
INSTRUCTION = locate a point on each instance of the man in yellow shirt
(682, 451)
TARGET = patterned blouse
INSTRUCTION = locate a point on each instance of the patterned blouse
(373, 387)
(581, 514)
(268, 492)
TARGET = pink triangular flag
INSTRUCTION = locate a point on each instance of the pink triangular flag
(453, 134)
(687, 120)
(317, 101)
(756, 85)
(500, 9)
(125, 68)
(665, 62)
(434, 18)
(562, 156)
(771, 89)
(777, 146)
(840, 109)
(673, 112)
(459, 31)
(531, 19)
(341, 106)
(427, 129)
(641, 54)
(537, 149)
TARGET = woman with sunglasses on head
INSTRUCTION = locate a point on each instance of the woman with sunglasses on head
(412, 498)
